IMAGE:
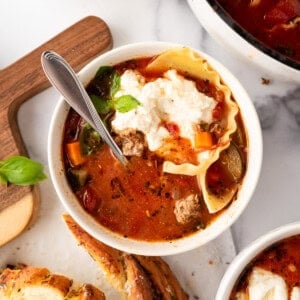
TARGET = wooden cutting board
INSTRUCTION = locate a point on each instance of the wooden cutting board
(20, 81)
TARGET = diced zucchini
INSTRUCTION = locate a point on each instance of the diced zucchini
(79, 176)
(232, 163)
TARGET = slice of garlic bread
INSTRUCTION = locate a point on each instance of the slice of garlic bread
(85, 292)
(33, 283)
(134, 276)
(109, 259)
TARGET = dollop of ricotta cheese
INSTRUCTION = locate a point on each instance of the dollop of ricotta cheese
(295, 293)
(264, 285)
(170, 98)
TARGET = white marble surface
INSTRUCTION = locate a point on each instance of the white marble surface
(25, 24)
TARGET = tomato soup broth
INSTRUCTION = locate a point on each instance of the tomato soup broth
(138, 201)
(282, 259)
(276, 23)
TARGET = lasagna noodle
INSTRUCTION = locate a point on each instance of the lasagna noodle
(187, 61)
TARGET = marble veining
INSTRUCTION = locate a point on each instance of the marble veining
(292, 103)
(267, 109)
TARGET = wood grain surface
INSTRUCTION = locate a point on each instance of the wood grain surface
(20, 81)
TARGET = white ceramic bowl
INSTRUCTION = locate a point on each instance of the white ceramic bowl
(223, 30)
(242, 260)
(155, 248)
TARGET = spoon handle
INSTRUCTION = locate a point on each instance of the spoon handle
(65, 80)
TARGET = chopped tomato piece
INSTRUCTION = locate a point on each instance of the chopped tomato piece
(217, 111)
(213, 175)
(172, 128)
(90, 200)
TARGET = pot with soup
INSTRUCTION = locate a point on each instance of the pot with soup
(269, 269)
(264, 32)
(184, 136)
(274, 23)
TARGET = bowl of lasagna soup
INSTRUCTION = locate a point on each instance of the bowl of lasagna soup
(190, 134)
(269, 268)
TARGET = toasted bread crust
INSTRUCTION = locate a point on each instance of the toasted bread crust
(19, 279)
(134, 276)
(109, 259)
(86, 292)
(162, 277)
(138, 285)
(28, 282)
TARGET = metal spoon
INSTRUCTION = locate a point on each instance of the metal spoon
(65, 80)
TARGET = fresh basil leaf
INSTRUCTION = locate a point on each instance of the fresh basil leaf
(115, 83)
(89, 139)
(102, 106)
(21, 170)
(104, 71)
(111, 77)
(126, 103)
(3, 179)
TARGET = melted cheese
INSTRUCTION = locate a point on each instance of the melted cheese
(295, 293)
(265, 285)
(171, 98)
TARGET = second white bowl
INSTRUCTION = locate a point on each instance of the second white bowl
(245, 257)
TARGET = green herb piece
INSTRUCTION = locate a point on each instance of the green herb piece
(102, 106)
(3, 179)
(89, 139)
(115, 83)
(21, 170)
(78, 177)
(126, 103)
(108, 83)
(104, 71)
(110, 75)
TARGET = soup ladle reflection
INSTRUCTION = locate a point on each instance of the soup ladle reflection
(64, 79)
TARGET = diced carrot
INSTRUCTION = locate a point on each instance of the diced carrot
(74, 153)
(203, 139)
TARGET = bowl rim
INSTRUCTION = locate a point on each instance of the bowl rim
(241, 261)
(223, 33)
(165, 247)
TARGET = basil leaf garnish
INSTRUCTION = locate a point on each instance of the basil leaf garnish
(115, 83)
(3, 179)
(89, 139)
(106, 85)
(104, 71)
(113, 79)
(102, 106)
(126, 103)
(21, 170)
